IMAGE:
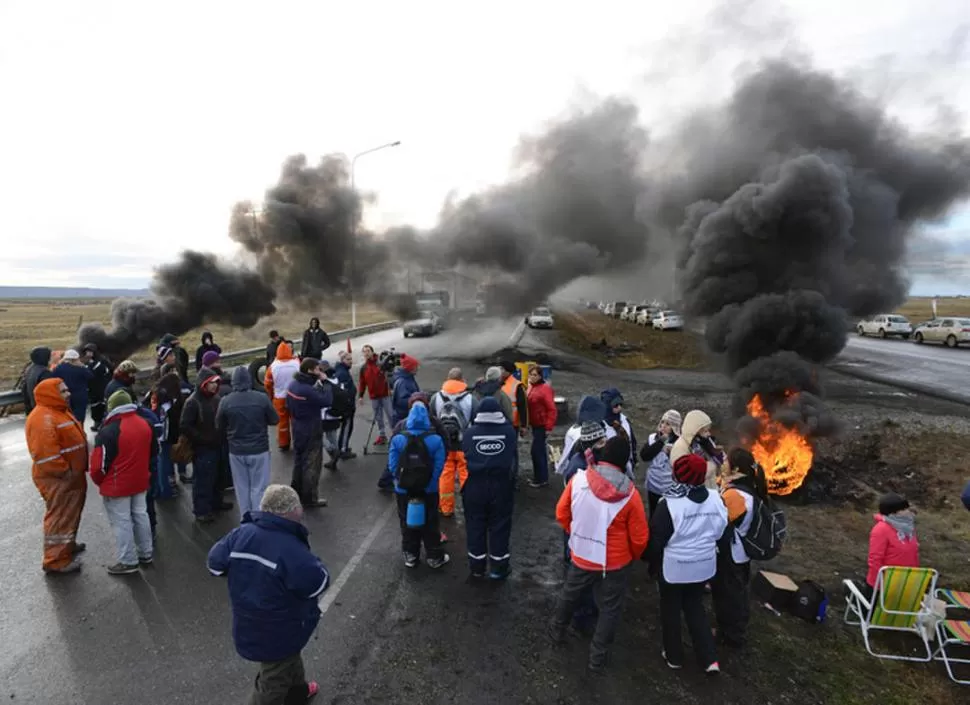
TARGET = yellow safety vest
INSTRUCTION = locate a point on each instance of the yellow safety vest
(510, 388)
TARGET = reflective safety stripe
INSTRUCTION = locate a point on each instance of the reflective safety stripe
(477, 558)
(500, 558)
(447, 494)
(65, 424)
(73, 448)
(253, 557)
(323, 585)
(217, 572)
(57, 539)
(47, 459)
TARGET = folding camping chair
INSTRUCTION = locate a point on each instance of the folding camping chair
(953, 634)
(896, 606)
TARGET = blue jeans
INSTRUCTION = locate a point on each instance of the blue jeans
(205, 474)
(540, 456)
(250, 477)
(128, 517)
(381, 408)
(162, 483)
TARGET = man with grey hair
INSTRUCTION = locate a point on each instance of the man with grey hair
(454, 407)
(491, 386)
(275, 582)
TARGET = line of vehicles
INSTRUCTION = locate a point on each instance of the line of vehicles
(951, 331)
(654, 314)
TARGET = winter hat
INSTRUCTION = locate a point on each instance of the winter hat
(690, 469)
(168, 340)
(672, 416)
(119, 398)
(409, 363)
(128, 367)
(210, 358)
(592, 431)
(611, 397)
(616, 452)
(162, 353)
(418, 397)
(508, 366)
(70, 355)
(590, 409)
(890, 503)
(489, 405)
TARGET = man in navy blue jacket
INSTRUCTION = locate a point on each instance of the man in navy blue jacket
(275, 582)
(489, 445)
(306, 398)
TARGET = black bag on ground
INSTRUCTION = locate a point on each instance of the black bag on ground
(810, 602)
(415, 467)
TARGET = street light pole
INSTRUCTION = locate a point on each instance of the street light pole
(353, 226)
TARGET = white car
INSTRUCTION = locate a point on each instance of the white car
(539, 318)
(949, 331)
(427, 323)
(668, 320)
(885, 325)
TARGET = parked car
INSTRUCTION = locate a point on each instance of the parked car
(885, 325)
(617, 310)
(668, 320)
(539, 318)
(949, 331)
(646, 315)
(427, 323)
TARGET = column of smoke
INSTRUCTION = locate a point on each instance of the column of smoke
(799, 198)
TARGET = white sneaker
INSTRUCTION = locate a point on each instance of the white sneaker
(713, 669)
(438, 562)
(673, 666)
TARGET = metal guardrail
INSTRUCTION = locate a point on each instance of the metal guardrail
(16, 396)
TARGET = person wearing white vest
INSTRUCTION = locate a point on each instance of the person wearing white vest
(684, 532)
(617, 420)
(656, 453)
(742, 482)
(603, 514)
(590, 410)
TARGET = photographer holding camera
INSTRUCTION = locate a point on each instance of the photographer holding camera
(373, 380)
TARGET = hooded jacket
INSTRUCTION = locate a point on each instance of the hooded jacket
(373, 380)
(483, 390)
(101, 372)
(306, 398)
(401, 426)
(887, 548)
(245, 415)
(204, 348)
(590, 409)
(345, 377)
(689, 443)
(404, 386)
(120, 380)
(55, 439)
(198, 420)
(37, 372)
(542, 406)
(280, 374)
(418, 422)
(315, 341)
(181, 355)
(454, 389)
(123, 451)
(489, 443)
(619, 422)
(77, 378)
(275, 583)
(167, 400)
(627, 535)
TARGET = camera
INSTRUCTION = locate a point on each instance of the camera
(389, 360)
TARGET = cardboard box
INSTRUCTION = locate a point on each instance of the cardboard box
(774, 588)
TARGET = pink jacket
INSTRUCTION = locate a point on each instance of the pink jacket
(886, 548)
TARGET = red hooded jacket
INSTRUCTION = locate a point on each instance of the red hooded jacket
(886, 548)
(122, 453)
(373, 380)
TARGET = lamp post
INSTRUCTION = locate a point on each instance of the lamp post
(353, 226)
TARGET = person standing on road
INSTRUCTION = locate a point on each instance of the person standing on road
(315, 340)
(246, 415)
(278, 378)
(208, 345)
(272, 345)
(59, 448)
(418, 452)
(660, 472)
(275, 583)
(77, 377)
(198, 424)
(602, 512)
(100, 377)
(124, 377)
(346, 379)
(386, 481)
(403, 387)
(36, 372)
(488, 493)
(453, 407)
(181, 354)
(374, 382)
(123, 450)
(306, 399)
(618, 421)
(542, 416)
(684, 532)
(518, 399)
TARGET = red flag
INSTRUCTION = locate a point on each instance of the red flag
(348, 345)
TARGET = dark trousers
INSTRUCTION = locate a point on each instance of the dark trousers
(732, 607)
(689, 599)
(346, 431)
(307, 466)
(609, 592)
(224, 480)
(540, 456)
(429, 534)
(584, 618)
(205, 475)
(280, 683)
(488, 501)
(98, 409)
(152, 493)
(653, 499)
(164, 480)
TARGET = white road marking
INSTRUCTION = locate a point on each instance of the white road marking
(331, 595)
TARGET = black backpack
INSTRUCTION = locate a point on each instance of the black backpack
(415, 467)
(343, 401)
(765, 536)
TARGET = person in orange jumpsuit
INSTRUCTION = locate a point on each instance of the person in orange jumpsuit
(454, 407)
(59, 449)
(279, 376)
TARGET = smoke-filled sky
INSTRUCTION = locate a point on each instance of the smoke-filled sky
(137, 126)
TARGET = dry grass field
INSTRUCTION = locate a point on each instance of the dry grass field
(920, 308)
(25, 324)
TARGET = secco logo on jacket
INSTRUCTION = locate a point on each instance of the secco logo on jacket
(490, 446)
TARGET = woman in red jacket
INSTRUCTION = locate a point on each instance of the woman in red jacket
(892, 540)
(542, 418)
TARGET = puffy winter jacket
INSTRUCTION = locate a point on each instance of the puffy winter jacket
(690, 442)
(55, 439)
(489, 442)
(887, 548)
(77, 378)
(418, 422)
(198, 420)
(245, 415)
(123, 451)
(37, 372)
(120, 380)
(542, 406)
(275, 582)
(483, 390)
(660, 473)
(373, 380)
(315, 341)
(305, 400)
(404, 386)
(627, 535)
(101, 372)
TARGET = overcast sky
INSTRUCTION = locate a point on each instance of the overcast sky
(130, 128)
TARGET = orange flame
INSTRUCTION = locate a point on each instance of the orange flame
(784, 454)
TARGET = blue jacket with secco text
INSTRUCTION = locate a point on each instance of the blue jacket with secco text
(418, 422)
(404, 386)
(489, 441)
(275, 582)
